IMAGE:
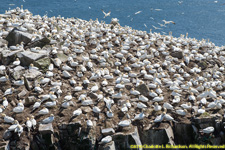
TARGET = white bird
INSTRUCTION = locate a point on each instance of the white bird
(157, 107)
(181, 112)
(18, 109)
(28, 124)
(77, 112)
(106, 139)
(158, 98)
(141, 105)
(43, 111)
(138, 12)
(124, 123)
(89, 123)
(7, 119)
(33, 121)
(167, 106)
(143, 98)
(106, 14)
(5, 102)
(139, 116)
(134, 92)
(168, 22)
(109, 114)
(159, 118)
(37, 104)
(96, 109)
(16, 62)
(48, 120)
(208, 130)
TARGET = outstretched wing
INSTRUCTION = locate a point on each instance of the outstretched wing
(103, 12)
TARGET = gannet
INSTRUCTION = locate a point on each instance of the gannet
(106, 139)
(28, 124)
(7, 119)
(48, 120)
(208, 130)
(77, 112)
(157, 107)
(43, 111)
(124, 123)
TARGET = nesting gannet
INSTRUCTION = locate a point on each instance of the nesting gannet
(43, 111)
(157, 107)
(186, 106)
(167, 106)
(77, 112)
(106, 139)
(19, 82)
(16, 62)
(48, 119)
(124, 123)
(96, 109)
(7, 119)
(37, 104)
(181, 112)
(201, 110)
(14, 126)
(158, 98)
(208, 130)
(110, 113)
(143, 98)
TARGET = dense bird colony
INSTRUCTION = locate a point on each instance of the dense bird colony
(112, 76)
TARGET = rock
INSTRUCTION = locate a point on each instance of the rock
(183, 133)
(86, 109)
(30, 100)
(62, 57)
(3, 42)
(32, 74)
(22, 93)
(17, 72)
(155, 136)
(123, 141)
(93, 96)
(42, 63)
(108, 131)
(108, 146)
(16, 37)
(46, 128)
(39, 43)
(202, 64)
(27, 57)
(8, 56)
(177, 54)
(143, 89)
(27, 84)
(128, 86)
(7, 135)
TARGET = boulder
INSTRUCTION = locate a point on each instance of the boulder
(62, 57)
(155, 136)
(108, 146)
(177, 54)
(7, 135)
(30, 100)
(3, 42)
(28, 57)
(8, 56)
(183, 133)
(202, 64)
(46, 128)
(39, 43)
(32, 74)
(17, 72)
(143, 89)
(17, 36)
(22, 93)
(42, 63)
